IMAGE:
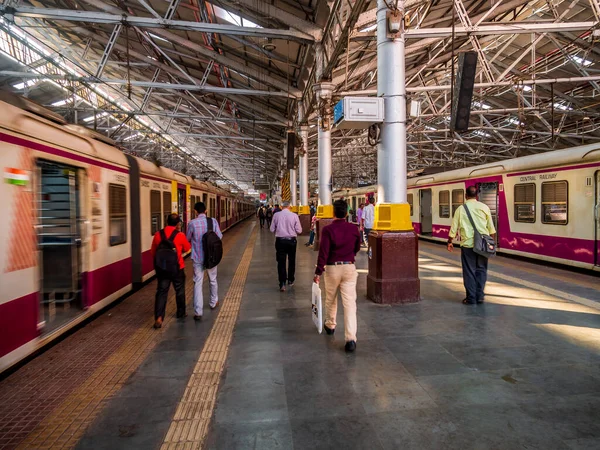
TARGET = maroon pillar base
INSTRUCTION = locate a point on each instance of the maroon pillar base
(393, 267)
(321, 223)
(305, 224)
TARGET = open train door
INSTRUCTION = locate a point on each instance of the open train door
(488, 193)
(597, 218)
(426, 216)
(218, 208)
(60, 242)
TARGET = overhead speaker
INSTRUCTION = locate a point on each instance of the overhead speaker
(291, 146)
(463, 91)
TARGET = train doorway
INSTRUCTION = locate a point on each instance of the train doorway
(488, 193)
(597, 218)
(59, 239)
(182, 207)
(426, 216)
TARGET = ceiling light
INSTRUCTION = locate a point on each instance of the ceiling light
(369, 28)
(269, 46)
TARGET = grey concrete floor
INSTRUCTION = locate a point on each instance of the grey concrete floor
(520, 371)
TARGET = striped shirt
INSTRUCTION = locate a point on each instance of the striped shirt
(195, 230)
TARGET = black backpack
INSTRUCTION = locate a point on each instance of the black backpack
(166, 260)
(269, 213)
(212, 245)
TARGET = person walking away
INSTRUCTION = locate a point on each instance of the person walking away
(474, 266)
(368, 218)
(340, 242)
(276, 209)
(167, 250)
(286, 226)
(261, 216)
(359, 216)
(313, 229)
(197, 229)
(269, 216)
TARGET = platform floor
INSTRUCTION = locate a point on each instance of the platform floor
(520, 371)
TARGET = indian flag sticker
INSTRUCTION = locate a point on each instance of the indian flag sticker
(16, 176)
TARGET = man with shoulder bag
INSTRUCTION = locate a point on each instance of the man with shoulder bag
(207, 250)
(477, 233)
(168, 247)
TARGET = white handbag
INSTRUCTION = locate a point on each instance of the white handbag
(317, 307)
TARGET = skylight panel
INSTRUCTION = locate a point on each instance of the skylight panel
(234, 18)
(481, 105)
(582, 62)
(562, 106)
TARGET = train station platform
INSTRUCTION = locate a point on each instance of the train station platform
(521, 370)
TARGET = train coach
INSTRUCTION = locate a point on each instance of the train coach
(544, 206)
(79, 217)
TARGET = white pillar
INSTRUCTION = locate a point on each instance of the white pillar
(303, 163)
(293, 187)
(324, 92)
(391, 85)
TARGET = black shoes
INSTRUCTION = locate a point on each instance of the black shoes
(328, 330)
(350, 346)
(181, 315)
(197, 317)
(467, 302)
(290, 283)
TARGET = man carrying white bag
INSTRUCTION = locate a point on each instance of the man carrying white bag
(340, 242)
(317, 307)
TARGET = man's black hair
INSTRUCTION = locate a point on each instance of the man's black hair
(200, 207)
(173, 220)
(371, 200)
(471, 192)
(340, 208)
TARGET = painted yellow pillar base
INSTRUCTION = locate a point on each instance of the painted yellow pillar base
(325, 212)
(294, 209)
(303, 210)
(392, 217)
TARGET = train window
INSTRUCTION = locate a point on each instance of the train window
(444, 204)
(154, 212)
(458, 198)
(166, 205)
(117, 214)
(409, 198)
(525, 202)
(555, 202)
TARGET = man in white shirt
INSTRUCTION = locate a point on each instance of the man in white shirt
(368, 217)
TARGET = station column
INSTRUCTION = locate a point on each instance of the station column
(304, 209)
(294, 189)
(393, 245)
(324, 93)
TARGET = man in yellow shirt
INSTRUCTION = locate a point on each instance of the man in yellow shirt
(474, 266)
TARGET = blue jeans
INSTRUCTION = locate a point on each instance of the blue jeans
(311, 238)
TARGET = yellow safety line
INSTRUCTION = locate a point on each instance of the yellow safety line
(194, 411)
(518, 281)
(66, 424)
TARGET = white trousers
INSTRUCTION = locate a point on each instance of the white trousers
(198, 281)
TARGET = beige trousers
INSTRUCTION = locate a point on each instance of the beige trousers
(342, 277)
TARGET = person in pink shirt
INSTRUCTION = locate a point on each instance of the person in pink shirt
(286, 226)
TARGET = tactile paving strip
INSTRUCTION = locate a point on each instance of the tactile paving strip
(66, 424)
(192, 417)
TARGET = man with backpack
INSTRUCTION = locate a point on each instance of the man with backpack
(207, 250)
(168, 247)
(269, 216)
(261, 216)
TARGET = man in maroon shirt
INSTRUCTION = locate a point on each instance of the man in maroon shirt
(162, 287)
(340, 242)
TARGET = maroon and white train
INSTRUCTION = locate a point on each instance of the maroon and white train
(79, 216)
(545, 206)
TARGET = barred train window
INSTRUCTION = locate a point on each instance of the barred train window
(409, 198)
(555, 202)
(117, 214)
(444, 204)
(525, 203)
(166, 206)
(458, 198)
(154, 212)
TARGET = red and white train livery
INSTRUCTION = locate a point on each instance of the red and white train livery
(545, 206)
(79, 216)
